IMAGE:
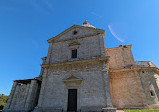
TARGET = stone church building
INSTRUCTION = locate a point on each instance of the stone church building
(80, 75)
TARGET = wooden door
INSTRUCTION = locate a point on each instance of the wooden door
(72, 100)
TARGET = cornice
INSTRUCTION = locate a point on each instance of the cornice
(80, 37)
(75, 26)
(130, 46)
(25, 81)
(155, 69)
(74, 61)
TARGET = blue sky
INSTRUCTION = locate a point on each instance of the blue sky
(25, 25)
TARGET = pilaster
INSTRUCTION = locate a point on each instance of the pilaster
(49, 54)
(109, 106)
(13, 102)
(26, 93)
(41, 96)
(31, 95)
(106, 85)
(102, 45)
(11, 95)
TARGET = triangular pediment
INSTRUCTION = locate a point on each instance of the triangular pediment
(76, 31)
(72, 78)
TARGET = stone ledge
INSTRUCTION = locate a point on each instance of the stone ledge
(78, 60)
(48, 109)
(155, 69)
(98, 110)
(16, 110)
(109, 109)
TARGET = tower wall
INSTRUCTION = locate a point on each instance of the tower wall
(120, 57)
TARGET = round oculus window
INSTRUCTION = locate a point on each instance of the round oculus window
(75, 32)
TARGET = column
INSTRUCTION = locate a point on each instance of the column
(15, 97)
(11, 95)
(106, 85)
(26, 93)
(31, 93)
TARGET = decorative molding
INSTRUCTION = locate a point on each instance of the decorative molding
(72, 81)
(72, 27)
(154, 69)
(86, 60)
(74, 44)
(80, 37)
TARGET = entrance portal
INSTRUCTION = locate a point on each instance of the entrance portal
(72, 100)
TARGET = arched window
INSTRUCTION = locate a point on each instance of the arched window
(152, 93)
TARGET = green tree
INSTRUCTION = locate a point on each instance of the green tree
(3, 100)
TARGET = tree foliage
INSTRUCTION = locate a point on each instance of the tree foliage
(3, 100)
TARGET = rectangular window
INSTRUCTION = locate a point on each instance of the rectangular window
(74, 53)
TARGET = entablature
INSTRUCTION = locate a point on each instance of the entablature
(153, 69)
(78, 60)
(25, 81)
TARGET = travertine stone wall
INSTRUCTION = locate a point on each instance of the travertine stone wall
(30, 101)
(90, 91)
(80, 33)
(11, 95)
(107, 86)
(156, 76)
(19, 100)
(126, 90)
(149, 83)
(88, 47)
(120, 57)
(90, 44)
(24, 97)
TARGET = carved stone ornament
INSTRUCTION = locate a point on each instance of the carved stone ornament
(74, 45)
(72, 81)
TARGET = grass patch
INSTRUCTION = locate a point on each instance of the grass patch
(141, 110)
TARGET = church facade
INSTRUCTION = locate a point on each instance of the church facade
(80, 75)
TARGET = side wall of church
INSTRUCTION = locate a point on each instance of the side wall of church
(149, 82)
(90, 93)
(156, 76)
(126, 90)
(130, 87)
(125, 86)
